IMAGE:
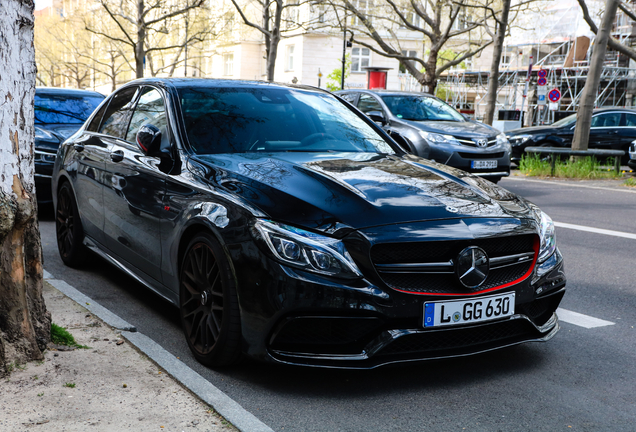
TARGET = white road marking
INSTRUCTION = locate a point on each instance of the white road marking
(581, 320)
(596, 230)
(569, 184)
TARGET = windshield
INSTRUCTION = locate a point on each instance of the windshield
(241, 120)
(569, 120)
(421, 108)
(64, 108)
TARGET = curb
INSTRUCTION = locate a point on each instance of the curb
(227, 407)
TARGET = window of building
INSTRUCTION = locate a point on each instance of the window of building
(291, 14)
(289, 64)
(360, 58)
(228, 64)
(364, 7)
(463, 20)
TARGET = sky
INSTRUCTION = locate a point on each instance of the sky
(41, 4)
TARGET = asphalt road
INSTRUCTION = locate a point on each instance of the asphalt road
(582, 380)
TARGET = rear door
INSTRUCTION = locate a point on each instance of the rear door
(604, 130)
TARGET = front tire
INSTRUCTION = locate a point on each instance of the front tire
(68, 228)
(208, 303)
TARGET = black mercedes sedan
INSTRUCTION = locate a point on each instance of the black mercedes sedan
(428, 127)
(611, 129)
(58, 114)
(286, 226)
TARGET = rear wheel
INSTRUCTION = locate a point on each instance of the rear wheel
(68, 228)
(208, 303)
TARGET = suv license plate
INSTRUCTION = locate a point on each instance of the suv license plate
(483, 164)
(445, 313)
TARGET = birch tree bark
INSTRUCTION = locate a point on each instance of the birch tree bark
(25, 324)
(584, 116)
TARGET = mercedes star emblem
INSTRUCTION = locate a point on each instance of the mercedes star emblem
(472, 267)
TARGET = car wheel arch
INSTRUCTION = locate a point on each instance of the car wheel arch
(195, 228)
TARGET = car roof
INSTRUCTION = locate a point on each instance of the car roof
(218, 82)
(66, 92)
(386, 92)
(613, 109)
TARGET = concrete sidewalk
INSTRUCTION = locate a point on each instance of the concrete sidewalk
(109, 387)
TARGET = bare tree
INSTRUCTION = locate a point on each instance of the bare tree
(25, 324)
(140, 24)
(439, 21)
(612, 42)
(276, 14)
(493, 79)
(588, 97)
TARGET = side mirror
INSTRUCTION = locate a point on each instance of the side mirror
(466, 117)
(149, 140)
(377, 116)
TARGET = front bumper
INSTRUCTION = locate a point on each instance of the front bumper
(293, 317)
(463, 158)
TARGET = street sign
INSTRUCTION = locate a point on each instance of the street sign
(542, 73)
(542, 81)
(541, 95)
(554, 95)
(553, 106)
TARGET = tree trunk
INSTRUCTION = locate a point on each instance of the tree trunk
(272, 49)
(493, 82)
(140, 51)
(25, 325)
(588, 98)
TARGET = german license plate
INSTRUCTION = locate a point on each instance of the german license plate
(483, 164)
(446, 313)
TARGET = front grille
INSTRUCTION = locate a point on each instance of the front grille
(428, 267)
(497, 155)
(473, 142)
(466, 339)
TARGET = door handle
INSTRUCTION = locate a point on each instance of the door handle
(117, 156)
(79, 147)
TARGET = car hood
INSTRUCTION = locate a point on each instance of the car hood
(464, 129)
(46, 139)
(65, 130)
(330, 191)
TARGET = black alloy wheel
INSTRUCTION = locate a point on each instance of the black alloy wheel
(68, 228)
(208, 303)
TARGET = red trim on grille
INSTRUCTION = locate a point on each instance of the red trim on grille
(537, 244)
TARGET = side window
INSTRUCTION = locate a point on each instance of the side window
(606, 120)
(94, 125)
(118, 113)
(630, 120)
(368, 103)
(150, 109)
(349, 97)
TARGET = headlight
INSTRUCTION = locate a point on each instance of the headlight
(438, 138)
(502, 140)
(44, 156)
(548, 236)
(518, 139)
(306, 250)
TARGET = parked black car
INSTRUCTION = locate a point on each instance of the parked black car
(58, 114)
(289, 227)
(611, 129)
(428, 127)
